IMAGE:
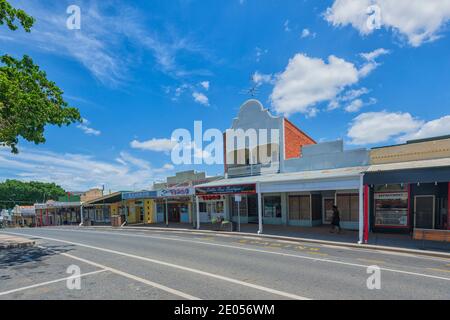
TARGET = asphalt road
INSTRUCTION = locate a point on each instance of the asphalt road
(126, 264)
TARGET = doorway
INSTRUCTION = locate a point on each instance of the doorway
(252, 209)
(424, 212)
(174, 213)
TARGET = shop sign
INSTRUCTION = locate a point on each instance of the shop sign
(176, 192)
(139, 195)
(211, 197)
(236, 189)
(391, 196)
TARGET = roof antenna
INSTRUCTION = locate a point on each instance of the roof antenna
(253, 90)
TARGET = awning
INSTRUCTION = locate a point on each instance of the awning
(108, 199)
(320, 180)
(424, 171)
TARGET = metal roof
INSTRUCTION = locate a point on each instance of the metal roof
(421, 164)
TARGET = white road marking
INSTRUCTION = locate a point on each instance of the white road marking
(327, 260)
(175, 266)
(48, 282)
(132, 277)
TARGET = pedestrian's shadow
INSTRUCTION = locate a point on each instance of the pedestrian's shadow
(22, 256)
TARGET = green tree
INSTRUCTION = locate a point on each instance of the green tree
(28, 100)
(14, 192)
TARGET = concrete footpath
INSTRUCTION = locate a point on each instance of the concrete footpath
(13, 242)
(320, 235)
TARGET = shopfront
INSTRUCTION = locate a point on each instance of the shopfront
(212, 207)
(402, 201)
(175, 205)
(238, 202)
(301, 199)
(140, 207)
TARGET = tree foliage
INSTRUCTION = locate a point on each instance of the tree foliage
(14, 192)
(28, 100)
(9, 15)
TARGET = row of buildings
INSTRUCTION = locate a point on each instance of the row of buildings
(397, 189)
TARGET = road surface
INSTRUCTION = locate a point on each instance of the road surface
(137, 265)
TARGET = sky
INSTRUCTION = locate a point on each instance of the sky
(369, 72)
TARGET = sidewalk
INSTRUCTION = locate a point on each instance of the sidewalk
(394, 242)
(12, 242)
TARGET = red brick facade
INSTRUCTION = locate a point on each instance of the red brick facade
(294, 139)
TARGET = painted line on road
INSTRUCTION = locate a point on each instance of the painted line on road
(132, 277)
(50, 282)
(440, 270)
(265, 252)
(175, 266)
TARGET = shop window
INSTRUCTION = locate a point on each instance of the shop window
(160, 208)
(272, 207)
(348, 205)
(300, 207)
(391, 205)
(242, 207)
(219, 207)
(202, 207)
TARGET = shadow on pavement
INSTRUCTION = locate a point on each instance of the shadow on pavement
(21, 256)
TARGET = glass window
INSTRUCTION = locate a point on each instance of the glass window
(348, 205)
(300, 207)
(272, 207)
(161, 208)
(219, 207)
(202, 207)
(391, 206)
(242, 207)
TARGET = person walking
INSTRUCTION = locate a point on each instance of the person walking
(336, 220)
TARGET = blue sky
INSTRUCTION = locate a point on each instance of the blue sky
(139, 70)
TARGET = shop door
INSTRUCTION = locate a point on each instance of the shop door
(253, 209)
(174, 213)
(424, 212)
(328, 204)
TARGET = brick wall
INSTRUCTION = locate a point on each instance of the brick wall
(294, 139)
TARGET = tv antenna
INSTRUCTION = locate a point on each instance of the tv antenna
(253, 90)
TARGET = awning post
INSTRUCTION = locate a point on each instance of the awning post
(361, 210)
(258, 190)
(197, 208)
(167, 214)
(81, 216)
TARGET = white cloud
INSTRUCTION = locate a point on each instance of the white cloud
(376, 127)
(205, 85)
(157, 145)
(84, 126)
(201, 98)
(307, 33)
(418, 20)
(434, 128)
(286, 26)
(259, 78)
(354, 106)
(308, 81)
(78, 171)
(371, 63)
